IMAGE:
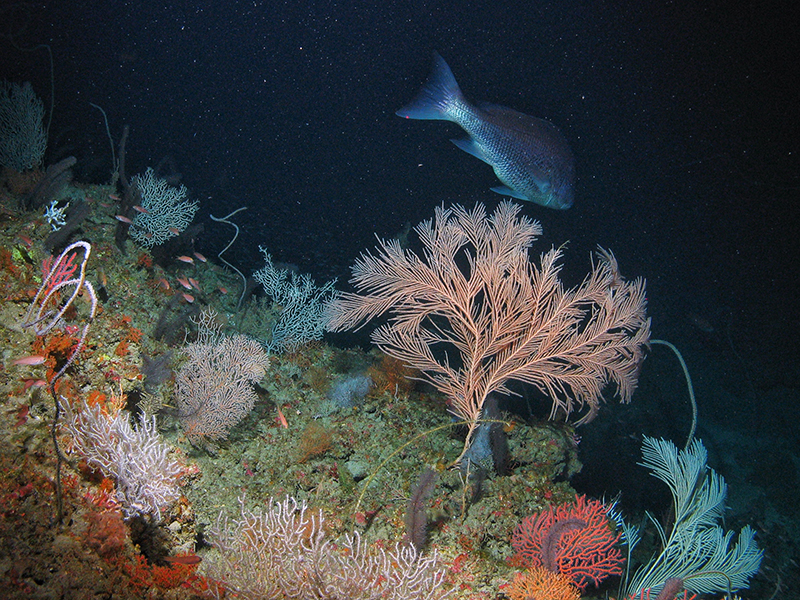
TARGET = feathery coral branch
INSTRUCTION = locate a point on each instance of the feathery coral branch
(475, 290)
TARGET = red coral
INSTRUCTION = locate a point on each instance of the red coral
(144, 576)
(573, 539)
(122, 348)
(106, 533)
(61, 271)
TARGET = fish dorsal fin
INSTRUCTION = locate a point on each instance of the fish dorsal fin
(522, 123)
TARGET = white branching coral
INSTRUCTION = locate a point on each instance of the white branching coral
(282, 553)
(166, 210)
(145, 472)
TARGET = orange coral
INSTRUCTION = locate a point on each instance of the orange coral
(130, 334)
(7, 262)
(20, 183)
(133, 335)
(96, 397)
(392, 375)
(58, 347)
(541, 584)
(65, 388)
(146, 576)
(316, 440)
(144, 260)
(106, 533)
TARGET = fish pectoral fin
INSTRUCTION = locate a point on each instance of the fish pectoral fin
(507, 191)
(470, 147)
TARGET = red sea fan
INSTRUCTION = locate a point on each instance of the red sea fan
(573, 539)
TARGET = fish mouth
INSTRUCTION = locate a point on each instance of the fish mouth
(560, 202)
(562, 197)
(565, 203)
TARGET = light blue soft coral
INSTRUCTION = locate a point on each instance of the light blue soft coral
(302, 303)
(697, 550)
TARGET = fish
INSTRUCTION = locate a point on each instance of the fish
(30, 361)
(187, 259)
(281, 418)
(124, 219)
(22, 415)
(530, 156)
(33, 383)
(184, 559)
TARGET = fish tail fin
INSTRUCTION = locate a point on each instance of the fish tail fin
(437, 96)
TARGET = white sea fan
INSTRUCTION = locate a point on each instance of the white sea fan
(146, 474)
(214, 389)
(166, 210)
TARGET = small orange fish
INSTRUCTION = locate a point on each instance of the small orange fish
(33, 383)
(222, 289)
(174, 230)
(30, 361)
(102, 275)
(115, 197)
(188, 297)
(163, 283)
(28, 241)
(141, 209)
(195, 285)
(281, 419)
(187, 259)
(200, 257)
(124, 219)
(21, 492)
(184, 283)
(22, 415)
(184, 559)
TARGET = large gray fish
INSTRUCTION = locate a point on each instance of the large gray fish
(530, 156)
